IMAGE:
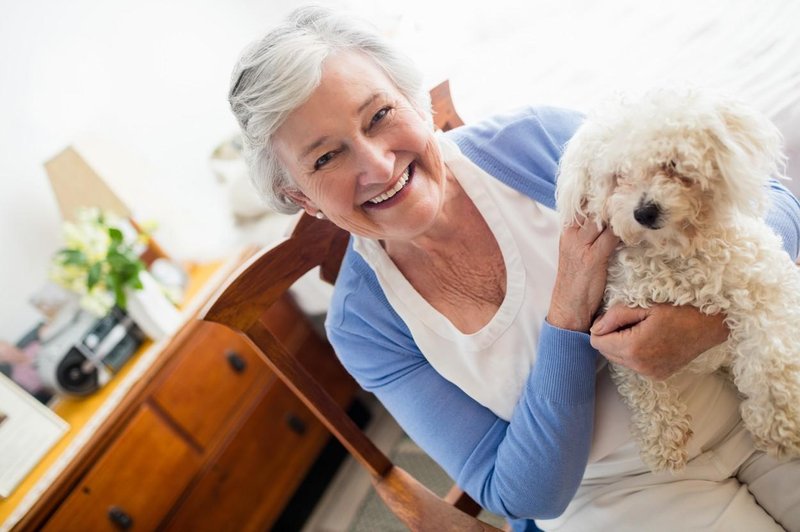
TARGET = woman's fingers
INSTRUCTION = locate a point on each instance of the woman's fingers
(584, 250)
(590, 231)
(587, 229)
(606, 242)
(657, 341)
(618, 317)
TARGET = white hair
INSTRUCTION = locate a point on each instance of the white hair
(278, 73)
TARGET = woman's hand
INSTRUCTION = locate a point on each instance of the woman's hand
(583, 253)
(656, 341)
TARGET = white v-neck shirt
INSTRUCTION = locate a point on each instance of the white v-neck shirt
(489, 364)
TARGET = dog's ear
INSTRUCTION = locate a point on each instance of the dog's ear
(749, 152)
(585, 181)
(572, 185)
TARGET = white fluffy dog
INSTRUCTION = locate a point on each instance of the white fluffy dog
(681, 177)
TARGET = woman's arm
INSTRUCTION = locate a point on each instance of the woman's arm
(529, 467)
(784, 217)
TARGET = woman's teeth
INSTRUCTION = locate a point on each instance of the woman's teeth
(394, 190)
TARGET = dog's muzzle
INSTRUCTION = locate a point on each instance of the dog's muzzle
(648, 213)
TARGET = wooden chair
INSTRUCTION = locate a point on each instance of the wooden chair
(265, 280)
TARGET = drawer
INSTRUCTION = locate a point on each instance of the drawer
(214, 370)
(137, 480)
(258, 470)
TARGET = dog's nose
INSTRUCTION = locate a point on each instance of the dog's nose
(647, 214)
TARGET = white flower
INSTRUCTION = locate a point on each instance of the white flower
(100, 260)
(98, 302)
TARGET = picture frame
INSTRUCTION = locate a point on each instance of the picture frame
(28, 430)
(18, 362)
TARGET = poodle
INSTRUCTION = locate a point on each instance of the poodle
(681, 176)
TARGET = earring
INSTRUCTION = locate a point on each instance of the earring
(319, 215)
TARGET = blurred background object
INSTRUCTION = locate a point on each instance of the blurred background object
(18, 363)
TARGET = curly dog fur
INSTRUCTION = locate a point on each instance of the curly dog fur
(681, 177)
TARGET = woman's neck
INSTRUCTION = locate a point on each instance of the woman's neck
(449, 231)
(457, 266)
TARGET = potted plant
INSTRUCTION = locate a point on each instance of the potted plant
(100, 262)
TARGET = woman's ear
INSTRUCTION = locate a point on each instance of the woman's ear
(302, 201)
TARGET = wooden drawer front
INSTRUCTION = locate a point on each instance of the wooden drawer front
(259, 469)
(215, 368)
(139, 478)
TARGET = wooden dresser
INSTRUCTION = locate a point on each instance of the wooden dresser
(207, 439)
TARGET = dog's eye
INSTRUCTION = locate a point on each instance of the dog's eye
(669, 166)
(684, 180)
(671, 169)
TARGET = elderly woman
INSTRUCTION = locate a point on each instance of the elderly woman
(467, 310)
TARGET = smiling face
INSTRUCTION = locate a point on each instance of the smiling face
(361, 154)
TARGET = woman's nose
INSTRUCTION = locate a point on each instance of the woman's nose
(375, 163)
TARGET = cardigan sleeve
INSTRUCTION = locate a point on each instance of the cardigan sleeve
(529, 467)
(521, 148)
(784, 217)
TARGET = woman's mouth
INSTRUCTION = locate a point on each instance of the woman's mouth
(405, 177)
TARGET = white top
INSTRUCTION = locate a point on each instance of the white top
(491, 364)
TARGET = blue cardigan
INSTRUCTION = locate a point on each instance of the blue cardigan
(531, 466)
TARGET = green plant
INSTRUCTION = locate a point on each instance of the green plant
(100, 260)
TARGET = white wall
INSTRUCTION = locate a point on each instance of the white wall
(150, 78)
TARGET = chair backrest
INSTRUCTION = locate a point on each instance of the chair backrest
(264, 280)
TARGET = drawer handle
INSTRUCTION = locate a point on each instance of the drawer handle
(122, 520)
(296, 424)
(236, 362)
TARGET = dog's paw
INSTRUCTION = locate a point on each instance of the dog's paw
(663, 441)
(666, 459)
(660, 423)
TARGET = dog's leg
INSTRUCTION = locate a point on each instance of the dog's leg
(659, 420)
(766, 355)
(771, 408)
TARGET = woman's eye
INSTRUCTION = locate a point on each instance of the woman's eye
(322, 161)
(380, 115)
